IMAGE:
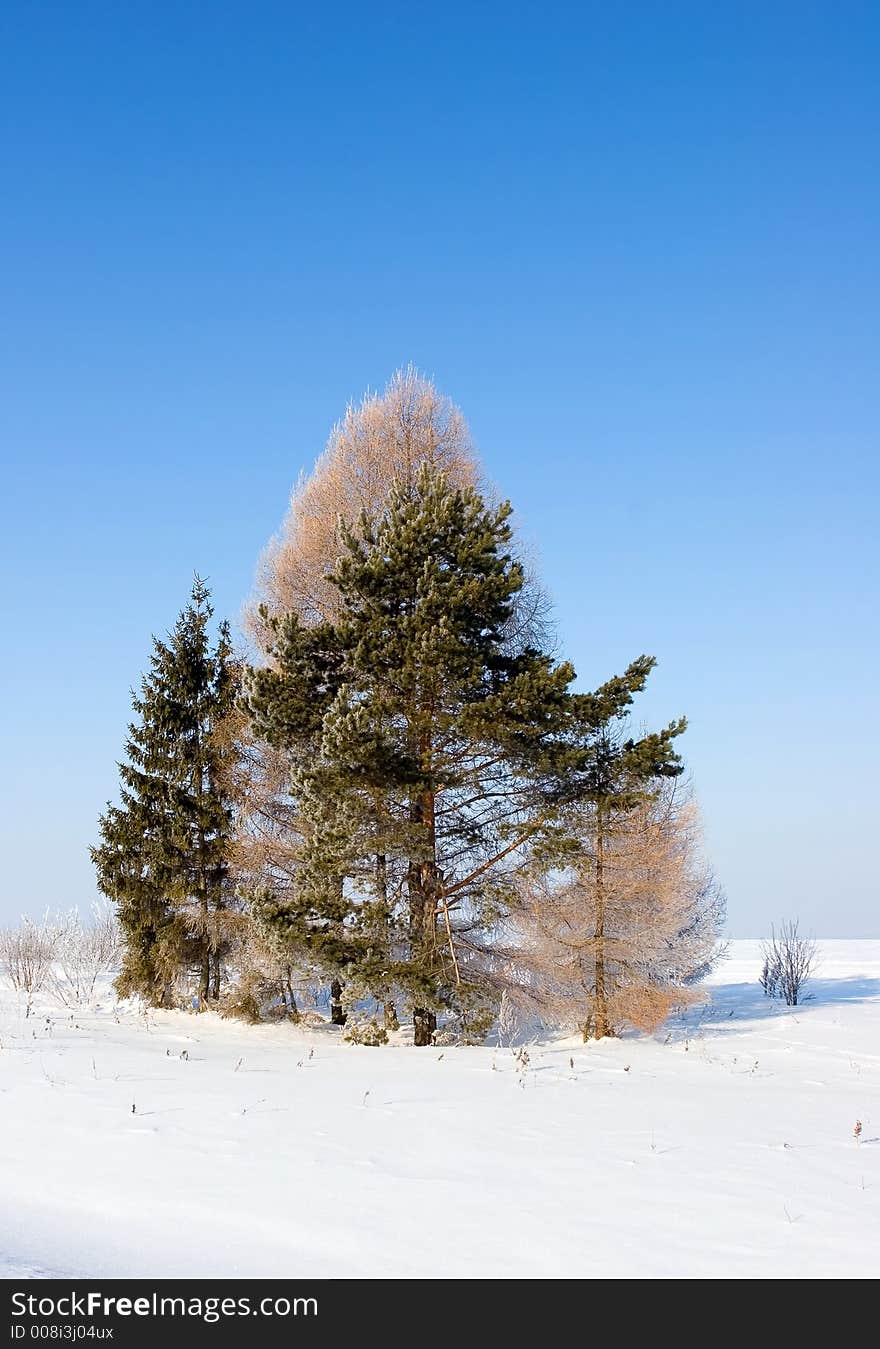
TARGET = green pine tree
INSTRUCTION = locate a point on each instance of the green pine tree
(430, 751)
(287, 701)
(163, 855)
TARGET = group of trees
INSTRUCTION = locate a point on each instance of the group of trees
(403, 795)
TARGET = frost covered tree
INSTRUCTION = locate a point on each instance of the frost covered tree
(85, 949)
(163, 855)
(617, 913)
(438, 746)
(386, 438)
(627, 951)
(26, 956)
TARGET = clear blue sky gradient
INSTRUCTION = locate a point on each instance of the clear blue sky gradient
(637, 243)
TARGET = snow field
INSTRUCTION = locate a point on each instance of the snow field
(170, 1144)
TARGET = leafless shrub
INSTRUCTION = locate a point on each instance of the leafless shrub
(83, 951)
(789, 960)
(26, 955)
(771, 973)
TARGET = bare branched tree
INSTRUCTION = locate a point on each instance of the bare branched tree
(662, 917)
(387, 437)
(85, 949)
(26, 955)
(788, 961)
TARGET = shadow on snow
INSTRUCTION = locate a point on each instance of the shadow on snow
(729, 1004)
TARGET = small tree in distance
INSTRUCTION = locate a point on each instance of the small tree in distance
(26, 955)
(789, 960)
(85, 949)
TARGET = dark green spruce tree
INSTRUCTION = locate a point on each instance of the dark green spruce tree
(163, 855)
(435, 750)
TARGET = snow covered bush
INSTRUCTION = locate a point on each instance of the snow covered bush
(364, 1032)
(264, 985)
(258, 996)
(26, 954)
(83, 950)
(470, 1025)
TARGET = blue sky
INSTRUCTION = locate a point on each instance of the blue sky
(637, 243)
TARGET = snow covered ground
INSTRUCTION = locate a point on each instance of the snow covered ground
(721, 1147)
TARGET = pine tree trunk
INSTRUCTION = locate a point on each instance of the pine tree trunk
(600, 1024)
(289, 995)
(421, 880)
(205, 986)
(422, 1018)
(337, 1013)
(424, 1026)
(425, 1020)
(390, 1020)
(216, 962)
